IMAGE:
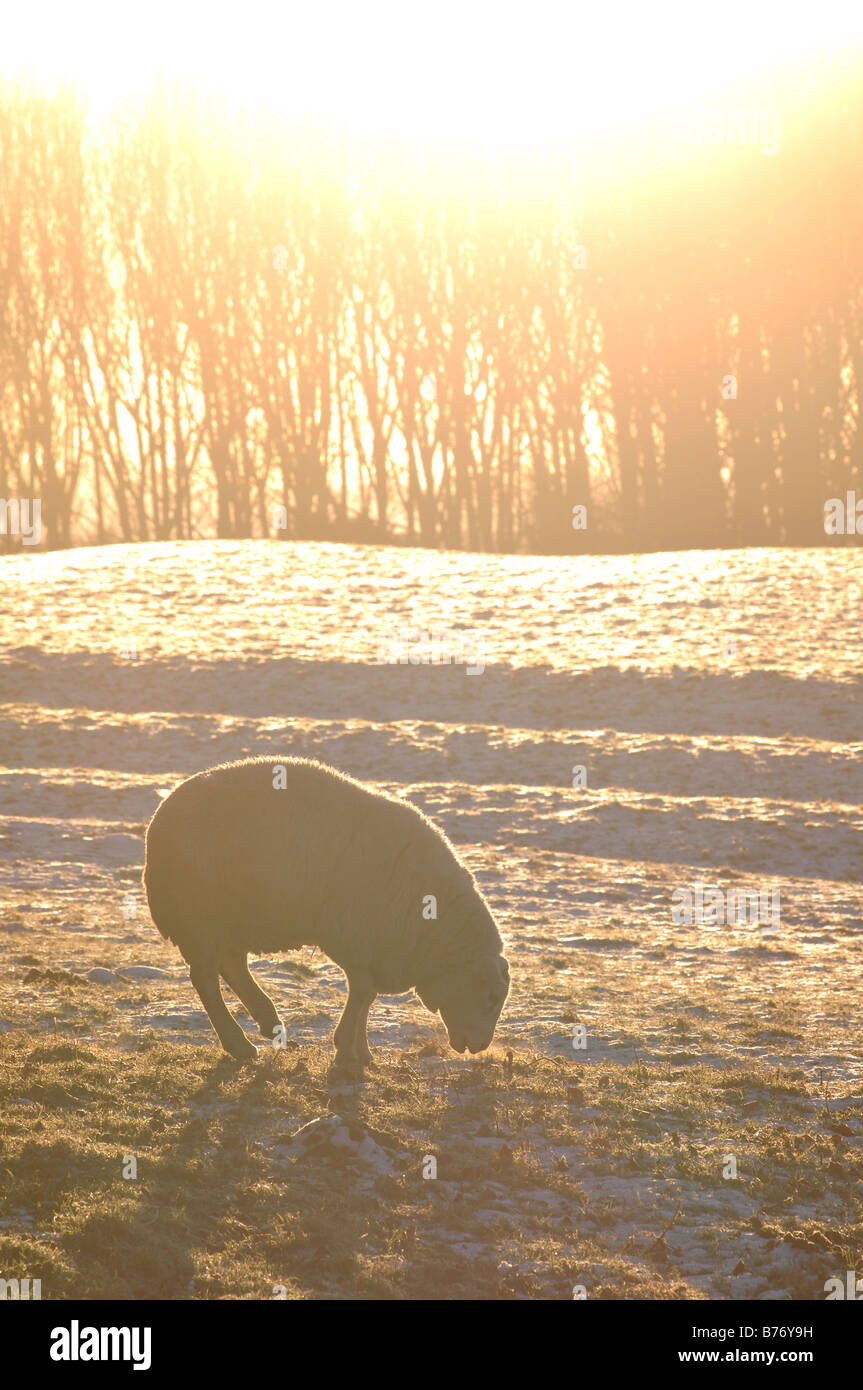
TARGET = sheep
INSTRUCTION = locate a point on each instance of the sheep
(267, 855)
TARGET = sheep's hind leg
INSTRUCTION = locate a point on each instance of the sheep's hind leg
(205, 978)
(363, 1049)
(234, 969)
(352, 1047)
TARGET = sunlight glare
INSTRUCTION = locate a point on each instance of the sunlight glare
(454, 74)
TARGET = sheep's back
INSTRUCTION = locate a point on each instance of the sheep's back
(230, 854)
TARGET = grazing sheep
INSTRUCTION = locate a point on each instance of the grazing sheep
(265, 856)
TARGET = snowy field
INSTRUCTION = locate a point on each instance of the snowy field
(641, 725)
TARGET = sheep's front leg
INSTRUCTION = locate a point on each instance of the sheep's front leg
(350, 1035)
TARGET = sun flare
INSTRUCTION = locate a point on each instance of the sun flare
(450, 73)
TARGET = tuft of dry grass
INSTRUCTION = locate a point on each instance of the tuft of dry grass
(551, 1174)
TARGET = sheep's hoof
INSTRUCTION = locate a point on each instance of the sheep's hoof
(347, 1066)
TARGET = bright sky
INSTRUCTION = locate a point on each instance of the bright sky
(503, 73)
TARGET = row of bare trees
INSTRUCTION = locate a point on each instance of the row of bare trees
(213, 328)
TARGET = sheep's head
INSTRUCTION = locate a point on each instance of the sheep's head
(469, 997)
